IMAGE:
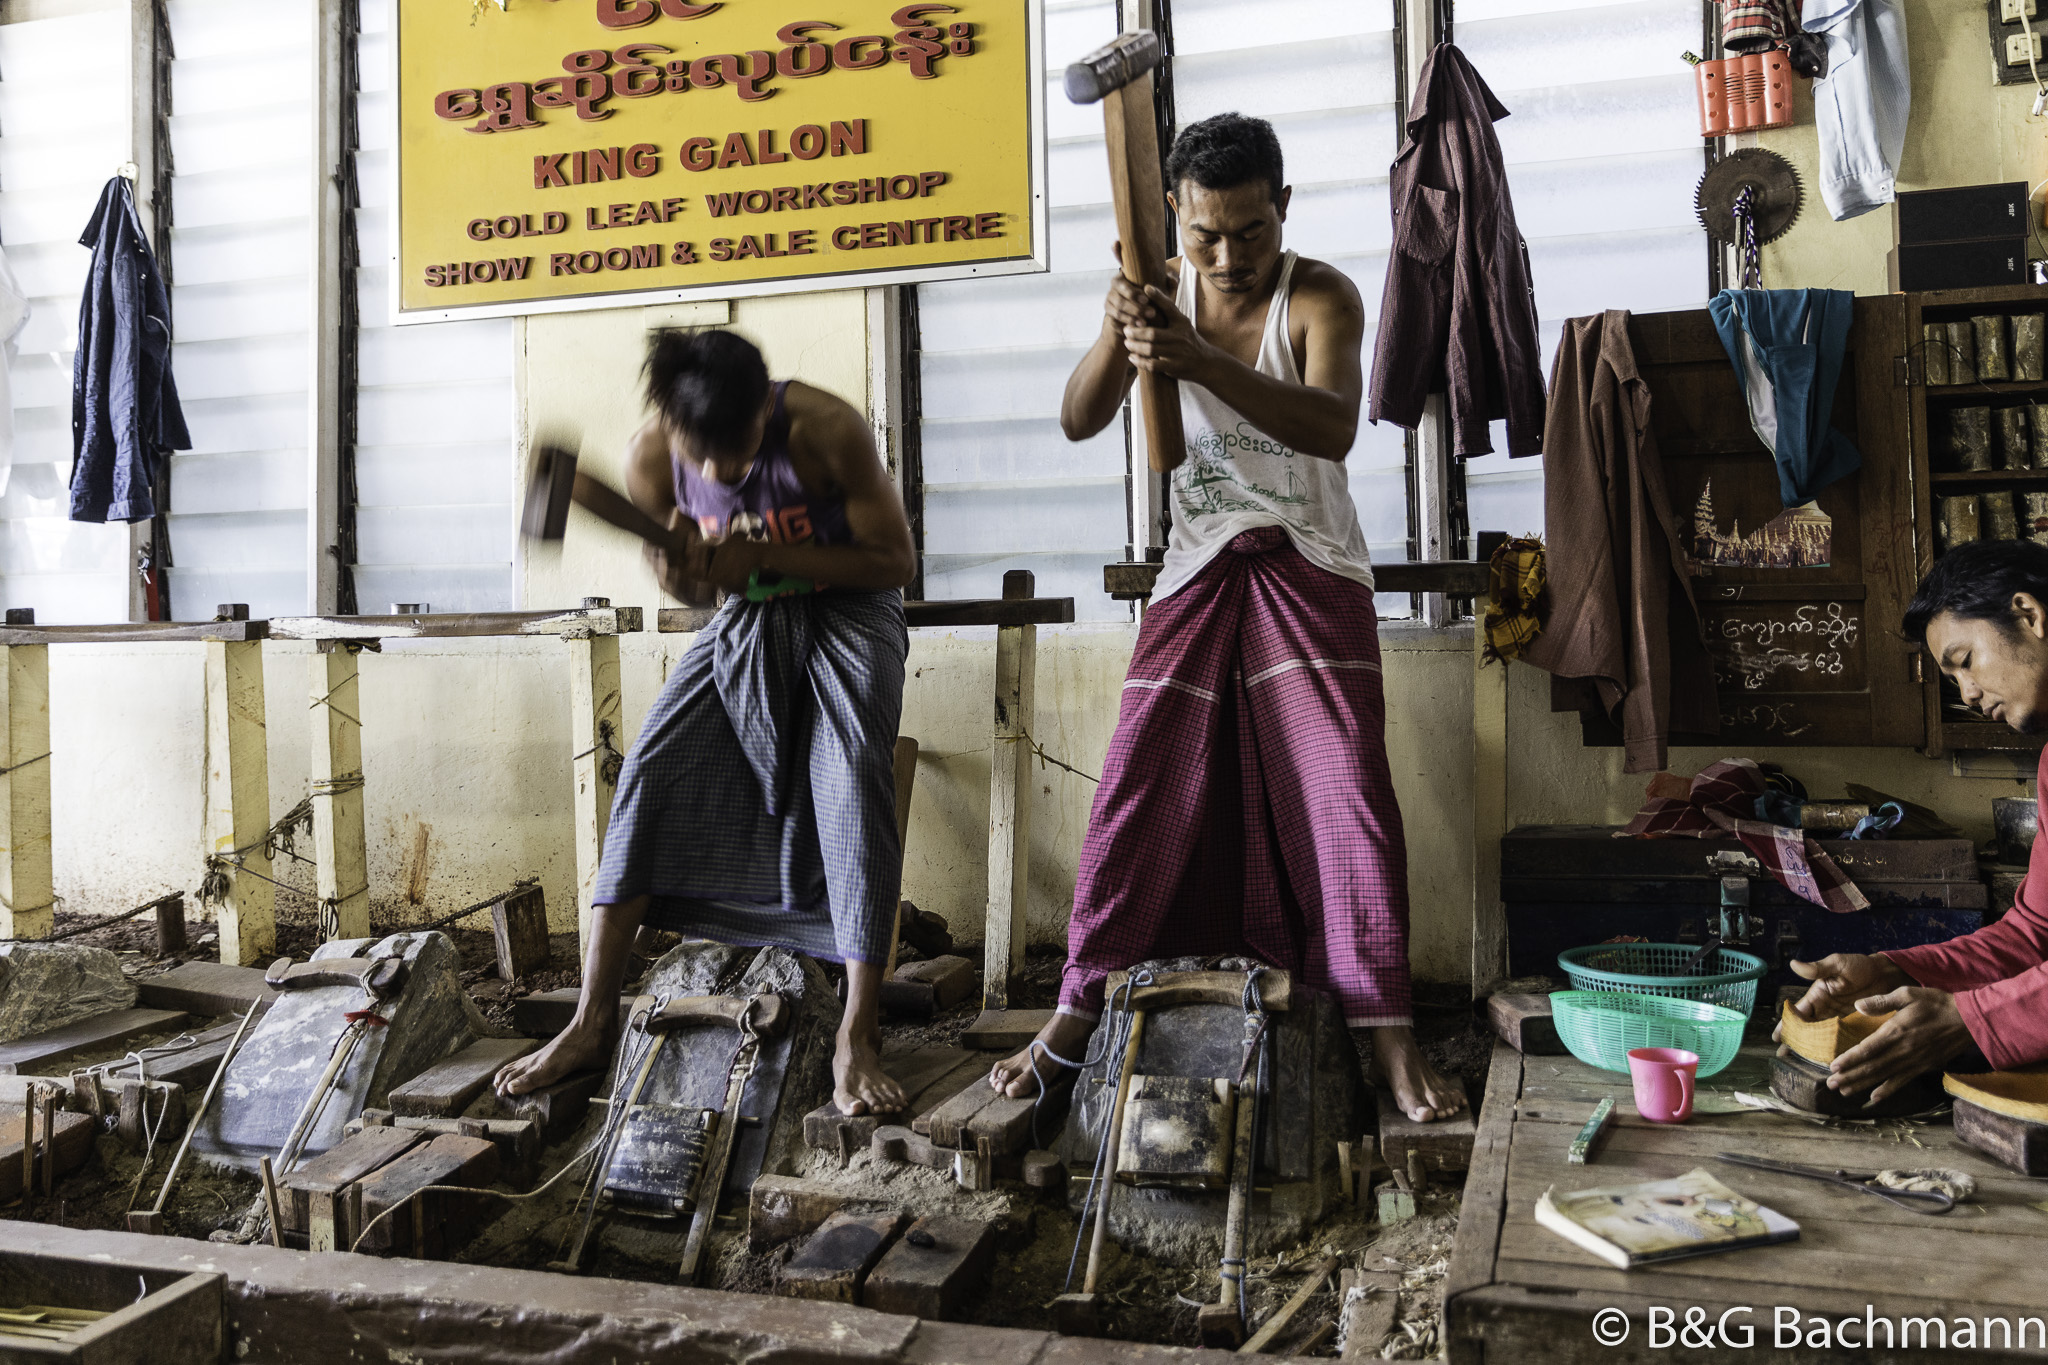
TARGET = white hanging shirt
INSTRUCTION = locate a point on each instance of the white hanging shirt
(1237, 478)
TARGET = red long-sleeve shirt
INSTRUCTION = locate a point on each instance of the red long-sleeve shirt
(1999, 975)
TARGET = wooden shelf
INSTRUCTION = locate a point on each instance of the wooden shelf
(1988, 476)
(1988, 389)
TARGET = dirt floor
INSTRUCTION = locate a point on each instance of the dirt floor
(1149, 1300)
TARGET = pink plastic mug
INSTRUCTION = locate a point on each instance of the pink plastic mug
(1663, 1078)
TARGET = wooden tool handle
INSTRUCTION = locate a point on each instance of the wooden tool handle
(771, 1013)
(1140, 201)
(608, 504)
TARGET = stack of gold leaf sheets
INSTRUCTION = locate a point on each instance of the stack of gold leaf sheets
(1822, 1040)
(45, 1323)
(2019, 1094)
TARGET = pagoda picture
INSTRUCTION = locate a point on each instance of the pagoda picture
(1801, 537)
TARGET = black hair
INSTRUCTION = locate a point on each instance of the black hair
(1977, 581)
(711, 384)
(1225, 151)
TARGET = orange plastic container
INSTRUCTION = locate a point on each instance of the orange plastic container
(1738, 94)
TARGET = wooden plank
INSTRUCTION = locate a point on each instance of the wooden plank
(1525, 1024)
(341, 869)
(437, 1225)
(1445, 1145)
(597, 730)
(132, 633)
(446, 1088)
(519, 925)
(1004, 1030)
(946, 1125)
(929, 1076)
(237, 801)
(1368, 1318)
(1455, 577)
(1009, 800)
(784, 1207)
(28, 896)
(835, 1262)
(1274, 1325)
(49, 1051)
(559, 1109)
(951, 978)
(191, 1067)
(544, 1014)
(932, 1269)
(1483, 1204)
(204, 989)
(74, 1145)
(581, 623)
(342, 1165)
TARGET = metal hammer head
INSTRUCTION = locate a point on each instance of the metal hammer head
(548, 486)
(1113, 66)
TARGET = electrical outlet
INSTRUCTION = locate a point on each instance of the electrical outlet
(2017, 47)
(2009, 11)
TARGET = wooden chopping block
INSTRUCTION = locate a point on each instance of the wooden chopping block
(1804, 1085)
(437, 1222)
(518, 1140)
(1524, 1024)
(1445, 1145)
(557, 1109)
(932, 1269)
(339, 1167)
(2019, 1144)
(921, 990)
(835, 1263)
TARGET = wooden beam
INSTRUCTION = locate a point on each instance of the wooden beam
(325, 207)
(135, 633)
(340, 853)
(47, 1051)
(575, 624)
(1489, 812)
(238, 800)
(1009, 799)
(966, 611)
(596, 729)
(27, 893)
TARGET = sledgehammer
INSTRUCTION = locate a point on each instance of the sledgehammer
(1120, 75)
(555, 482)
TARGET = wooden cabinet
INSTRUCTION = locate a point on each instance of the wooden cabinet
(1802, 611)
(1937, 473)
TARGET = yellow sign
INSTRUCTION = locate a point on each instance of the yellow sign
(564, 154)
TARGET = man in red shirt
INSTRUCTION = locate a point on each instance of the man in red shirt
(1982, 612)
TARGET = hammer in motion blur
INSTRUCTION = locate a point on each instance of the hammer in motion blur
(1120, 75)
(556, 482)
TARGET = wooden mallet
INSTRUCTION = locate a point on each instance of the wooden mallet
(1120, 76)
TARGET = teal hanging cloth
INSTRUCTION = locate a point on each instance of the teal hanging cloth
(1787, 347)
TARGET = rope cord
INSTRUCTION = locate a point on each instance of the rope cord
(1038, 751)
(1121, 1030)
(23, 764)
(613, 761)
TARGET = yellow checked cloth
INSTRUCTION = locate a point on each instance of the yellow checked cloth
(1516, 583)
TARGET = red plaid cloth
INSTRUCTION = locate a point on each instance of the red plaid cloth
(1722, 801)
(1246, 805)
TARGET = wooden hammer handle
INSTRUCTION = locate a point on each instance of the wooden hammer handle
(608, 504)
(1140, 201)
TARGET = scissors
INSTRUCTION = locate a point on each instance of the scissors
(1913, 1200)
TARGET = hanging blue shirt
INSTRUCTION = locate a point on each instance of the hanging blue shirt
(1787, 347)
(125, 416)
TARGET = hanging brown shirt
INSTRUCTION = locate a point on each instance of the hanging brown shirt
(1459, 312)
(1624, 638)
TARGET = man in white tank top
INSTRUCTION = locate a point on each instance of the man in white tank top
(1245, 804)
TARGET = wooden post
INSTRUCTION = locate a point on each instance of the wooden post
(595, 730)
(1009, 803)
(238, 797)
(1489, 809)
(27, 895)
(341, 867)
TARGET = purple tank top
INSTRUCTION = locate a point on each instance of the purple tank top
(770, 503)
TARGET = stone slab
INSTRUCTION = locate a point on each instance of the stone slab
(47, 986)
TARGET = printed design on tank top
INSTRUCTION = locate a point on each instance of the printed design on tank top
(1209, 483)
(780, 525)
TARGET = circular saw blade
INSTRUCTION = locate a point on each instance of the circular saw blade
(1776, 197)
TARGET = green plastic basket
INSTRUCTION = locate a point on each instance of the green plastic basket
(1654, 969)
(1600, 1027)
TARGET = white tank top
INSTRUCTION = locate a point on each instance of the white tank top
(1237, 478)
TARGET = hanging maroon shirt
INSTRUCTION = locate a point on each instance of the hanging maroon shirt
(1998, 975)
(1459, 312)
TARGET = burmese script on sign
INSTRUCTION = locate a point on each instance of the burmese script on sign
(570, 152)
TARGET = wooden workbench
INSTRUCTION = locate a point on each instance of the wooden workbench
(1518, 1292)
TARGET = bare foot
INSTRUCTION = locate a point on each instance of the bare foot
(859, 1085)
(1422, 1094)
(572, 1050)
(1066, 1036)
